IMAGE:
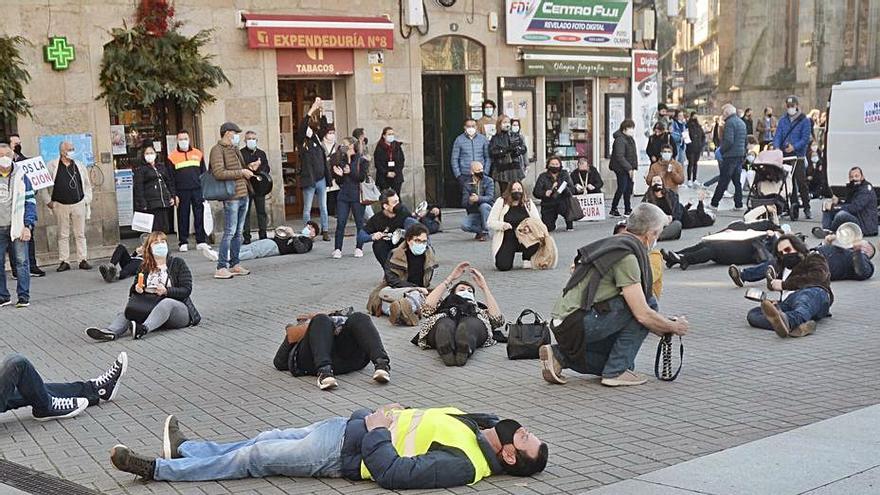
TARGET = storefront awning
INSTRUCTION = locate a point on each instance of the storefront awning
(302, 31)
(579, 64)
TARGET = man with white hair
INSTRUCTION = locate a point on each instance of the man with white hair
(18, 214)
(607, 308)
(733, 152)
(69, 198)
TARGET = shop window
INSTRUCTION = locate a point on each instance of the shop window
(132, 130)
(570, 120)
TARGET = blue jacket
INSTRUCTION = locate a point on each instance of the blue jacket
(846, 264)
(30, 199)
(861, 203)
(799, 137)
(485, 190)
(350, 183)
(734, 141)
(466, 150)
(677, 131)
(440, 467)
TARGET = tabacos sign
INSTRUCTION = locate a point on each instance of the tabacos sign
(576, 23)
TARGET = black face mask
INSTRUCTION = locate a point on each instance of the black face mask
(791, 260)
(396, 209)
(478, 176)
(516, 196)
(554, 170)
(505, 429)
(17, 149)
(657, 187)
(853, 184)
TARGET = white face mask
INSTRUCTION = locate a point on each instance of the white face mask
(183, 144)
(505, 127)
(470, 130)
(309, 132)
(236, 138)
(792, 111)
(150, 157)
(5, 162)
(666, 156)
(70, 154)
(465, 294)
(251, 144)
(750, 158)
(489, 111)
(389, 138)
(306, 231)
(515, 128)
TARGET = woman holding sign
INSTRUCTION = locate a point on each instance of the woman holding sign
(159, 298)
(154, 191)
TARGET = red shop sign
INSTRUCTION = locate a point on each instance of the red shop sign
(297, 31)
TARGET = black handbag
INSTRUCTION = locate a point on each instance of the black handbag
(524, 339)
(140, 306)
(261, 183)
(574, 212)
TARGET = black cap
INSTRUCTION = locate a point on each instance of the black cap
(791, 100)
(229, 126)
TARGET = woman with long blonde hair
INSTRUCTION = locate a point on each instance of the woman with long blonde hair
(159, 297)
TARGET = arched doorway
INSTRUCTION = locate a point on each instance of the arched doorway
(453, 88)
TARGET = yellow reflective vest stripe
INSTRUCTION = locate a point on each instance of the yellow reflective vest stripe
(414, 430)
(192, 158)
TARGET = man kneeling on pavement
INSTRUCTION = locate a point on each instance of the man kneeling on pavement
(607, 308)
(408, 274)
(398, 448)
(805, 283)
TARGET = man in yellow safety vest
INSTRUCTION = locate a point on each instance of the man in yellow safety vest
(399, 448)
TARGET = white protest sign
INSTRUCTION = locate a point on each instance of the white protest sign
(37, 171)
(872, 112)
(593, 206)
(142, 222)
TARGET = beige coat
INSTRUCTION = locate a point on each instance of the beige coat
(46, 194)
(671, 180)
(531, 232)
(496, 221)
(226, 163)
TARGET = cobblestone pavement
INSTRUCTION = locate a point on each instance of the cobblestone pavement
(738, 384)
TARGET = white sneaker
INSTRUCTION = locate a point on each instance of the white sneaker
(203, 246)
(337, 254)
(210, 254)
(184, 248)
(727, 194)
(358, 253)
(690, 183)
(527, 264)
(626, 379)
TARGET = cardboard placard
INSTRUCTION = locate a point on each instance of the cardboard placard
(37, 172)
(593, 206)
(142, 222)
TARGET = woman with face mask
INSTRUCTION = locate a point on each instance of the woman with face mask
(586, 179)
(158, 298)
(817, 172)
(624, 163)
(314, 166)
(349, 171)
(454, 322)
(508, 212)
(388, 159)
(668, 169)
(154, 191)
(507, 150)
(554, 189)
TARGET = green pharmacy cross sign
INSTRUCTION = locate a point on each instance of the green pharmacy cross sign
(59, 53)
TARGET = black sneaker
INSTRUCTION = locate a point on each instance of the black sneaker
(63, 267)
(172, 438)
(670, 257)
(326, 380)
(61, 408)
(100, 334)
(820, 233)
(614, 213)
(84, 265)
(733, 272)
(5, 301)
(23, 302)
(124, 459)
(139, 331)
(36, 272)
(108, 272)
(108, 383)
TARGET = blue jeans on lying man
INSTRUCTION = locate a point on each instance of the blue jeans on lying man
(799, 307)
(22, 386)
(313, 451)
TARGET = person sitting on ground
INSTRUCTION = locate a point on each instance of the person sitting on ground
(554, 188)
(380, 228)
(398, 448)
(430, 216)
(454, 322)
(22, 386)
(285, 241)
(752, 247)
(806, 286)
(859, 207)
(667, 200)
(586, 179)
(507, 213)
(122, 263)
(667, 169)
(845, 262)
(607, 307)
(158, 298)
(477, 195)
(324, 345)
(408, 275)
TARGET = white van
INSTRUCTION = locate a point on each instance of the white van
(853, 136)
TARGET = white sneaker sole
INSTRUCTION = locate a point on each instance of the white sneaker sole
(166, 438)
(123, 356)
(614, 382)
(545, 354)
(82, 404)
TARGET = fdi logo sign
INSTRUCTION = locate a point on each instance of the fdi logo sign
(581, 23)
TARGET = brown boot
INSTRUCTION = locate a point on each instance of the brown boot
(804, 329)
(402, 313)
(777, 318)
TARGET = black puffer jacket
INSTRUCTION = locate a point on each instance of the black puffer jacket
(506, 150)
(153, 187)
(180, 284)
(546, 183)
(384, 154)
(624, 156)
(312, 160)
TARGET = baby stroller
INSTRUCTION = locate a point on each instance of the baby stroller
(771, 184)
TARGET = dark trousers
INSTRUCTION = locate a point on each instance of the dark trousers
(342, 210)
(799, 185)
(21, 385)
(262, 218)
(191, 199)
(624, 190)
(550, 211)
(509, 247)
(723, 252)
(382, 251)
(462, 337)
(357, 344)
(161, 219)
(32, 253)
(730, 172)
(693, 157)
(128, 265)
